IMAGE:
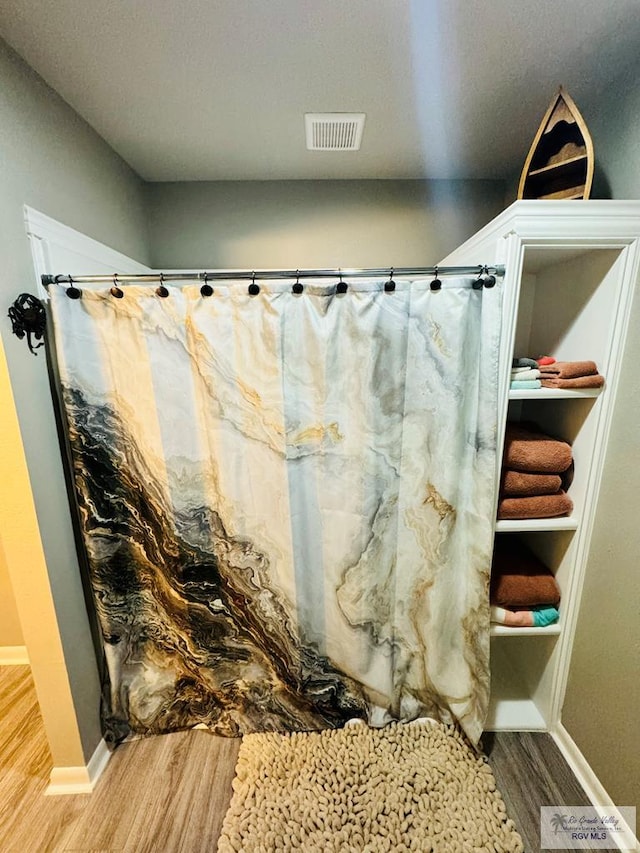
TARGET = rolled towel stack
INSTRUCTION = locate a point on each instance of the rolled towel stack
(525, 374)
(536, 470)
(570, 374)
(523, 593)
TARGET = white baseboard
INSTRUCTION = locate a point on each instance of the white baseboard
(13, 656)
(583, 772)
(82, 779)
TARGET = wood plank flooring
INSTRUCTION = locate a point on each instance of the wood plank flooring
(170, 794)
(531, 772)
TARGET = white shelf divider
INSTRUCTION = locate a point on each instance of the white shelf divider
(554, 393)
(566, 522)
(505, 631)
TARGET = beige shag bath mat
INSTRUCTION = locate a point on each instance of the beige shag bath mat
(417, 786)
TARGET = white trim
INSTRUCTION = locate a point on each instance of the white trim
(628, 276)
(582, 770)
(582, 223)
(82, 779)
(14, 656)
(40, 259)
(43, 230)
(46, 228)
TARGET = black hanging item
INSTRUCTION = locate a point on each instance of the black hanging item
(489, 280)
(162, 290)
(478, 284)
(28, 318)
(254, 289)
(390, 286)
(206, 289)
(436, 284)
(297, 287)
(73, 292)
(341, 286)
(116, 291)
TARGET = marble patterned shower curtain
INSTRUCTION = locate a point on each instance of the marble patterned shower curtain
(286, 500)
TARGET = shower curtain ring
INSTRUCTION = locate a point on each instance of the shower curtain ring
(390, 285)
(72, 291)
(115, 290)
(489, 280)
(297, 287)
(254, 289)
(341, 287)
(206, 289)
(436, 284)
(162, 290)
(479, 282)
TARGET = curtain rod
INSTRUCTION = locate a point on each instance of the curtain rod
(265, 275)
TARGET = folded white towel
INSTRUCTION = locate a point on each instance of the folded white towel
(498, 615)
(524, 375)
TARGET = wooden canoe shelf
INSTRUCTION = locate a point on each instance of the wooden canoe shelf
(560, 161)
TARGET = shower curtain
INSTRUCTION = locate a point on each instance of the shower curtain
(286, 500)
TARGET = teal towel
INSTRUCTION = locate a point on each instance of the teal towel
(543, 616)
(527, 384)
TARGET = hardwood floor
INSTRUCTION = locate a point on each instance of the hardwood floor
(531, 772)
(170, 794)
(160, 794)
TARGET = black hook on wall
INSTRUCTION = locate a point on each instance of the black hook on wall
(28, 319)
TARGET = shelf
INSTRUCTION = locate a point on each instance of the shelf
(554, 393)
(505, 631)
(536, 524)
(519, 715)
(511, 706)
(563, 164)
(567, 195)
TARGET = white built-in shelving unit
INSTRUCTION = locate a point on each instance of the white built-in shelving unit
(571, 270)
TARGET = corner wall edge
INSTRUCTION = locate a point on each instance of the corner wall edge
(81, 779)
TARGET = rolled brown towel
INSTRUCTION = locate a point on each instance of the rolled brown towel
(538, 506)
(520, 483)
(596, 381)
(534, 452)
(518, 578)
(570, 369)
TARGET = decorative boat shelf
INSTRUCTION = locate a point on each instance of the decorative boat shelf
(560, 161)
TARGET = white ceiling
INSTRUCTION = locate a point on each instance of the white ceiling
(217, 89)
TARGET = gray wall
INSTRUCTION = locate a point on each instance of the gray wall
(51, 160)
(614, 123)
(603, 696)
(315, 224)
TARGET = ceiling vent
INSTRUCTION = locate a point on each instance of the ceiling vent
(334, 131)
